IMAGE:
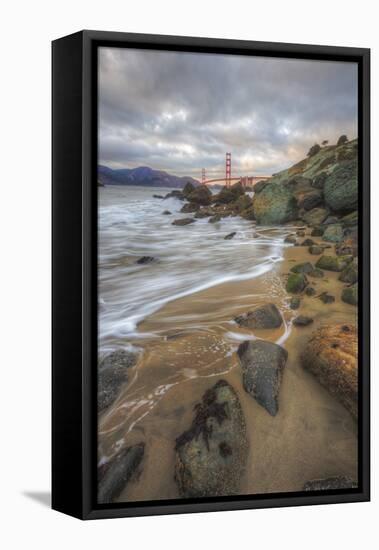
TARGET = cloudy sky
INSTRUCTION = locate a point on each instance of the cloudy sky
(182, 112)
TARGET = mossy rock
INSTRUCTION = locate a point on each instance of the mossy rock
(333, 233)
(317, 231)
(350, 220)
(333, 263)
(350, 273)
(274, 205)
(295, 302)
(305, 267)
(350, 295)
(341, 187)
(316, 273)
(243, 203)
(296, 283)
(315, 250)
(200, 195)
(248, 214)
(316, 216)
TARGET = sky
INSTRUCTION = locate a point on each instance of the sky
(181, 112)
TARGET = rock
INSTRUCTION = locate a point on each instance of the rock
(333, 263)
(146, 260)
(319, 181)
(190, 207)
(327, 298)
(350, 295)
(310, 200)
(166, 213)
(350, 220)
(203, 213)
(315, 250)
(300, 233)
(317, 231)
(183, 221)
(348, 247)
(296, 283)
(305, 267)
(331, 220)
(333, 234)
(295, 302)
(211, 455)
(307, 242)
(230, 235)
(302, 321)
(117, 474)
(290, 239)
(158, 197)
(315, 216)
(188, 188)
(274, 205)
(112, 374)
(260, 185)
(242, 203)
(262, 366)
(214, 219)
(266, 316)
(310, 291)
(316, 273)
(350, 273)
(230, 194)
(176, 194)
(331, 355)
(330, 483)
(200, 195)
(341, 187)
(248, 214)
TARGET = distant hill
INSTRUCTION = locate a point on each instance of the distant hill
(143, 176)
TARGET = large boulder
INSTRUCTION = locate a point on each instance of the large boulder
(333, 263)
(262, 366)
(114, 476)
(275, 205)
(260, 185)
(309, 200)
(230, 194)
(316, 216)
(266, 316)
(341, 188)
(331, 355)
(296, 283)
(200, 195)
(211, 455)
(112, 374)
(183, 221)
(188, 188)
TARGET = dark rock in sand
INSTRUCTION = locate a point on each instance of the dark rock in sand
(112, 374)
(350, 295)
(183, 221)
(266, 316)
(333, 233)
(190, 207)
(317, 231)
(302, 321)
(290, 239)
(341, 187)
(327, 298)
(331, 355)
(146, 260)
(188, 188)
(262, 366)
(316, 273)
(117, 474)
(350, 273)
(166, 213)
(305, 267)
(230, 236)
(275, 205)
(296, 283)
(310, 200)
(212, 454)
(295, 302)
(333, 263)
(315, 250)
(330, 483)
(200, 195)
(310, 291)
(307, 242)
(315, 216)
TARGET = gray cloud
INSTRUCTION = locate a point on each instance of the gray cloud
(181, 112)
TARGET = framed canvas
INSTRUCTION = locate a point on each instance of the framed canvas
(210, 275)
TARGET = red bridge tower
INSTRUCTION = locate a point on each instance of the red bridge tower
(228, 169)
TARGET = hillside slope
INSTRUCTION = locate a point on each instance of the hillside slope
(143, 176)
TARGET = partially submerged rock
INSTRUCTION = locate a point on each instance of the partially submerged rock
(112, 374)
(230, 235)
(190, 207)
(146, 260)
(333, 263)
(330, 483)
(350, 295)
(211, 455)
(266, 316)
(262, 366)
(214, 219)
(166, 213)
(183, 221)
(296, 283)
(331, 355)
(116, 475)
(200, 195)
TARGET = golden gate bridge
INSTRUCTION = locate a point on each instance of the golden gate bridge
(247, 181)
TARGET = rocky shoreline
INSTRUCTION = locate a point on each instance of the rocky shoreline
(319, 198)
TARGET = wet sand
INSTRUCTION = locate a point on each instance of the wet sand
(192, 344)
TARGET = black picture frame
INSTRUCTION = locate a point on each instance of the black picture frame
(74, 295)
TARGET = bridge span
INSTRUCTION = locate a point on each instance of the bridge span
(247, 181)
